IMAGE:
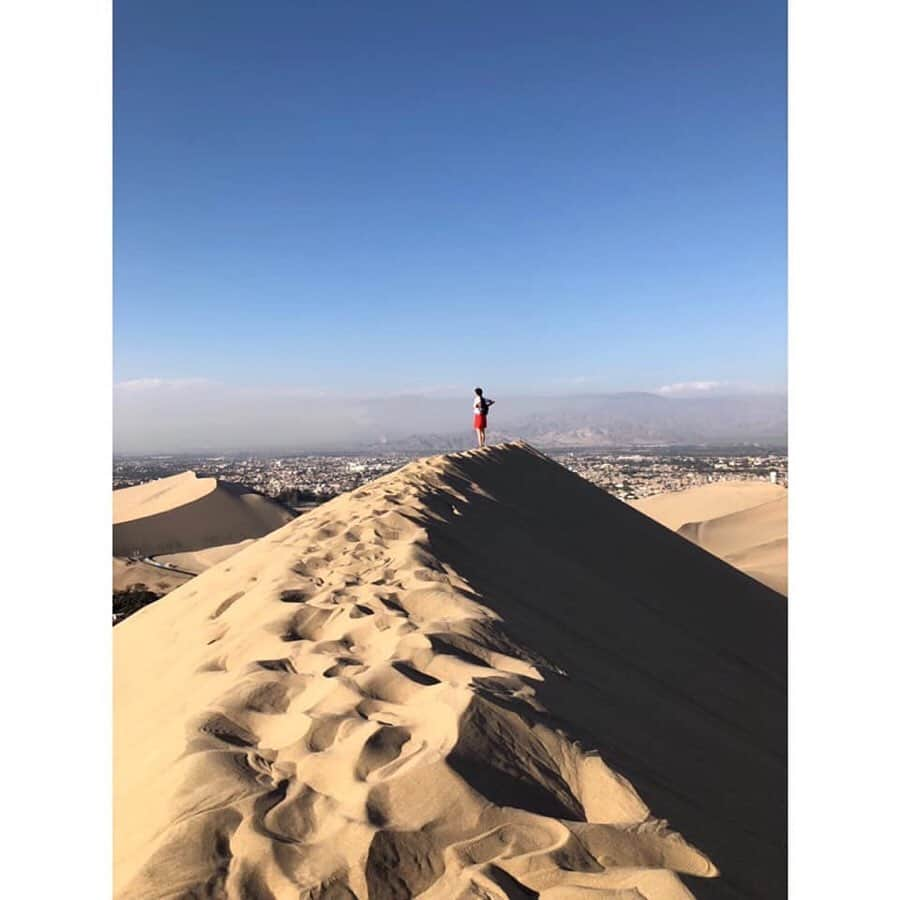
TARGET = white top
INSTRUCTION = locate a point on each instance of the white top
(477, 404)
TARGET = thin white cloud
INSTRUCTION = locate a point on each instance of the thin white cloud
(152, 384)
(284, 391)
(425, 391)
(683, 388)
(565, 381)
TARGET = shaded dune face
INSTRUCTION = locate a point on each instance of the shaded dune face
(479, 676)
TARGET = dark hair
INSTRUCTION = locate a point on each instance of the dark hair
(478, 391)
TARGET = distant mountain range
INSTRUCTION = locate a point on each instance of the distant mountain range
(215, 418)
(607, 420)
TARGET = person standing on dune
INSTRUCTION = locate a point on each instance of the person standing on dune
(481, 406)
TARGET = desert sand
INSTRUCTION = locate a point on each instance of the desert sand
(479, 676)
(709, 501)
(184, 513)
(744, 523)
(128, 574)
(159, 496)
(199, 561)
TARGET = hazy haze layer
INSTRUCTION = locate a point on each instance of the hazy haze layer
(172, 418)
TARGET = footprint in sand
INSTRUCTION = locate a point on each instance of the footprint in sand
(306, 624)
(339, 649)
(414, 674)
(216, 633)
(274, 665)
(342, 664)
(213, 665)
(296, 813)
(221, 728)
(395, 684)
(225, 604)
(271, 697)
(323, 732)
(381, 748)
(393, 604)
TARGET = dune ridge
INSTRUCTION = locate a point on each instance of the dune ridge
(479, 676)
(184, 513)
(159, 496)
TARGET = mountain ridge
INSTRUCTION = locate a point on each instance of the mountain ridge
(443, 423)
(621, 419)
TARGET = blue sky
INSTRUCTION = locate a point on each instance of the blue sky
(387, 197)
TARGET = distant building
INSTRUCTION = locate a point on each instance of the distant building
(773, 477)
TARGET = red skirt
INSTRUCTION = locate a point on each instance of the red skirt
(480, 422)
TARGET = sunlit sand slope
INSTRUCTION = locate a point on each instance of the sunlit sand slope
(479, 676)
(159, 496)
(754, 540)
(743, 522)
(708, 501)
(129, 574)
(185, 513)
(201, 560)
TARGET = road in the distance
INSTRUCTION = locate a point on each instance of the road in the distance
(167, 567)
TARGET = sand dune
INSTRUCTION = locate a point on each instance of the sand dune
(139, 576)
(479, 676)
(127, 574)
(742, 522)
(184, 513)
(709, 501)
(200, 560)
(766, 563)
(159, 496)
(753, 540)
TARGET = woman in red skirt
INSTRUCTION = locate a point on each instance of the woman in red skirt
(481, 407)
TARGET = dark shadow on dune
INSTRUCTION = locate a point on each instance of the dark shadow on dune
(675, 662)
(193, 861)
(513, 889)
(451, 645)
(494, 757)
(401, 864)
(413, 674)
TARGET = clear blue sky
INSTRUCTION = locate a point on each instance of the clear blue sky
(400, 195)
